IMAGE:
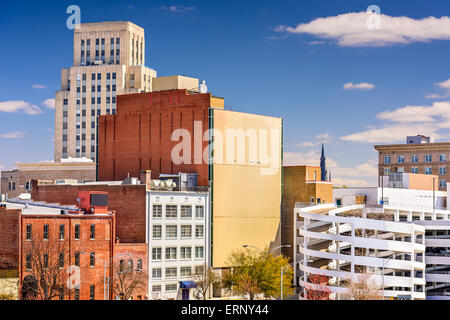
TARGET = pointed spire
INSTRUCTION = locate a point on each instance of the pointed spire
(323, 166)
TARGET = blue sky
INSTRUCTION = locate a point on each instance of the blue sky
(252, 54)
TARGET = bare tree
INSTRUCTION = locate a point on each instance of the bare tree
(364, 288)
(8, 286)
(205, 279)
(44, 267)
(127, 282)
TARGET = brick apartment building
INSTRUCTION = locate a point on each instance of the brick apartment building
(9, 238)
(86, 240)
(418, 155)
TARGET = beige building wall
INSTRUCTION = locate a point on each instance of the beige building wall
(246, 202)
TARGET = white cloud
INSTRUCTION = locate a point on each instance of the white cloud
(19, 106)
(324, 137)
(351, 30)
(12, 135)
(435, 96)
(358, 86)
(444, 84)
(418, 113)
(178, 8)
(317, 42)
(49, 103)
(392, 133)
(304, 144)
(49, 130)
(39, 86)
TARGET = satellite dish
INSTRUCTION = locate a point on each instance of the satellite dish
(203, 87)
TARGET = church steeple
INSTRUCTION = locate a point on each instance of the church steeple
(323, 166)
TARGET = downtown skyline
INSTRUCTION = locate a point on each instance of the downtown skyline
(335, 82)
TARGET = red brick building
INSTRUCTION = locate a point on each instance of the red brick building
(85, 240)
(128, 201)
(9, 238)
(138, 137)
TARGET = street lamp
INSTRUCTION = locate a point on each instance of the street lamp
(384, 263)
(105, 292)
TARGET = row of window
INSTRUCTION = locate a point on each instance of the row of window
(77, 293)
(100, 54)
(415, 158)
(172, 212)
(428, 170)
(171, 232)
(77, 232)
(171, 253)
(170, 287)
(172, 272)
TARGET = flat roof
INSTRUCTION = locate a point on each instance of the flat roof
(43, 208)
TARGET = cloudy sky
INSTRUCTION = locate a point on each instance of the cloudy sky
(334, 72)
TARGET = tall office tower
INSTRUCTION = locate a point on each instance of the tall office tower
(108, 60)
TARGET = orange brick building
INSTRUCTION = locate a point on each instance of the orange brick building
(138, 137)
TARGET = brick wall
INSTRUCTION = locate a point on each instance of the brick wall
(127, 201)
(138, 137)
(9, 238)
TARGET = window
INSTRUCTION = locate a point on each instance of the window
(171, 212)
(186, 212)
(442, 158)
(130, 265)
(45, 231)
(171, 232)
(77, 294)
(401, 159)
(156, 273)
(61, 232)
(45, 260)
(186, 231)
(121, 265)
(442, 184)
(414, 170)
(61, 293)
(11, 186)
(199, 231)
(387, 159)
(92, 292)
(171, 287)
(28, 231)
(185, 271)
(77, 259)
(139, 265)
(428, 158)
(198, 252)
(171, 253)
(387, 171)
(156, 254)
(61, 260)
(428, 170)
(442, 170)
(157, 232)
(77, 232)
(28, 261)
(199, 270)
(92, 232)
(171, 272)
(199, 212)
(28, 185)
(156, 288)
(185, 253)
(92, 259)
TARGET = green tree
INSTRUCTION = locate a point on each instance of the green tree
(255, 272)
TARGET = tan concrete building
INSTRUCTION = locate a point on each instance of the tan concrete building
(18, 181)
(418, 155)
(108, 60)
(301, 186)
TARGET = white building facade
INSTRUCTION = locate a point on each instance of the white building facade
(178, 237)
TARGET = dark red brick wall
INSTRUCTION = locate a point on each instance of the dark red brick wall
(127, 201)
(9, 238)
(138, 137)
